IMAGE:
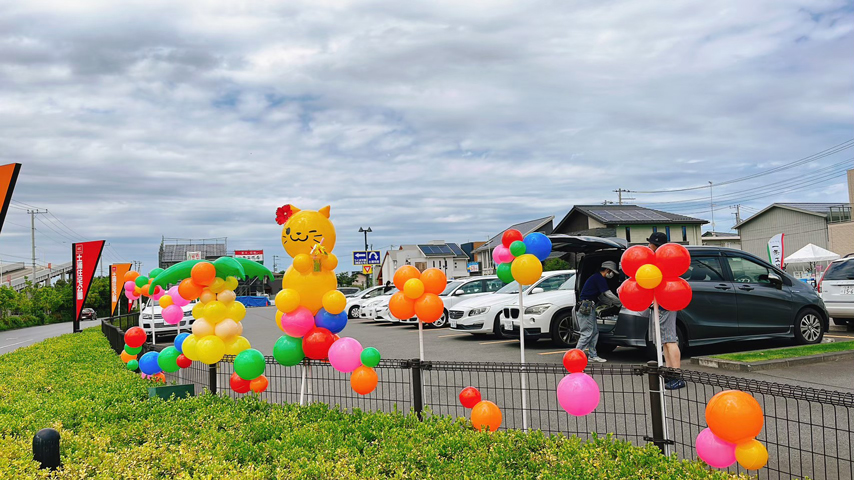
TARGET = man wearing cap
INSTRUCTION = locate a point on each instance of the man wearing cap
(667, 322)
(595, 291)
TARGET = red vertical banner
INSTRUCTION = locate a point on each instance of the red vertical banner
(117, 276)
(85, 258)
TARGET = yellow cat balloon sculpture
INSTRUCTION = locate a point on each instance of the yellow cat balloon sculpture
(309, 238)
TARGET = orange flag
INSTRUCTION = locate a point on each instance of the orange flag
(117, 276)
(8, 179)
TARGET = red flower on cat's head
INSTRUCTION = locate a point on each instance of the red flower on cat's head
(283, 213)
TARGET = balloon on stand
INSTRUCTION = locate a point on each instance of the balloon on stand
(298, 322)
(183, 361)
(635, 298)
(132, 351)
(429, 308)
(202, 328)
(674, 294)
(334, 302)
(203, 273)
(403, 274)
(673, 259)
(575, 361)
(538, 245)
(288, 351)
(511, 236)
(527, 269)
(470, 397)
(501, 254)
(635, 257)
(148, 363)
(135, 337)
(132, 365)
(363, 380)
(715, 452)
(173, 314)
(158, 294)
(217, 286)
(435, 281)
(287, 300)
(486, 415)
(168, 360)
(188, 347)
(141, 281)
(177, 299)
(370, 357)
(210, 349)
(130, 276)
(189, 290)
(413, 288)
(505, 272)
(215, 311)
(226, 297)
(239, 385)
(207, 296)
(227, 330)
(129, 285)
(578, 394)
(517, 248)
(345, 355)
(165, 301)
(236, 311)
(734, 416)
(236, 346)
(249, 364)
(751, 455)
(648, 276)
(334, 323)
(126, 357)
(158, 377)
(316, 343)
(259, 384)
(401, 307)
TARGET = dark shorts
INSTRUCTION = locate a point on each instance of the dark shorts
(668, 326)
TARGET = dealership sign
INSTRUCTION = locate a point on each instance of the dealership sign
(254, 255)
(86, 256)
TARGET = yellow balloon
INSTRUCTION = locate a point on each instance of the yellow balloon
(227, 330)
(215, 312)
(287, 300)
(188, 348)
(165, 301)
(217, 286)
(207, 296)
(311, 287)
(413, 288)
(648, 276)
(202, 328)
(526, 269)
(198, 310)
(334, 302)
(226, 296)
(210, 349)
(751, 454)
(237, 345)
(236, 311)
(231, 283)
(303, 263)
(278, 319)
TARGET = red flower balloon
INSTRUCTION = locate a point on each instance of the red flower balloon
(673, 294)
(634, 258)
(511, 236)
(470, 397)
(634, 297)
(575, 361)
(672, 259)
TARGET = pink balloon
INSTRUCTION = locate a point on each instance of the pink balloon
(172, 314)
(578, 394)
(177, 299)
(298, 323)
(158, 292)
(131, 296)
(714, 451)
(345, 354)
(502, 254)
(129, 285)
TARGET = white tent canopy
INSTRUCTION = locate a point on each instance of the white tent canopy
(811, 254)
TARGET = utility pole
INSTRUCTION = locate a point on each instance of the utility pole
(737, 208)
(33, 214)
(619, 192)
(712, 205)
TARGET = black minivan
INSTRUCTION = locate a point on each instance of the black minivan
(737, 296)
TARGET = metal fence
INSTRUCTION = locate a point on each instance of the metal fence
(807, 431)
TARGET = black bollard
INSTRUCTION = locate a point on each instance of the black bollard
(46, 448)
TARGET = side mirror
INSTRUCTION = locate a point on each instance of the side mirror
(537, 290)
(775, 280)
(459, 292)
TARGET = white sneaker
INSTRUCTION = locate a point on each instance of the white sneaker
(598, 359)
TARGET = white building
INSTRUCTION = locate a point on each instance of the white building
(447, 257)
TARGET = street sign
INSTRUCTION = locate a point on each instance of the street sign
(371, 257)
(367, 269)
(473, 267)
(194, 255)
(254, 255)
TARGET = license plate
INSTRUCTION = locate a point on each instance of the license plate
(848, 290)
(453, 324)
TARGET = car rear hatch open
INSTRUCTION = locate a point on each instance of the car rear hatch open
(563, 244)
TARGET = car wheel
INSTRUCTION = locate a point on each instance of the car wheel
(496, 327)
(562, 331)
(354, 312)
(441, 322)
(809, 328)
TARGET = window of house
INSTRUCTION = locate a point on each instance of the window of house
(628, 235)
(684, 234)
(654, 229)
(667, 232)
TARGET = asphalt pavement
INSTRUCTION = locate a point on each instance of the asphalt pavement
(12, 340)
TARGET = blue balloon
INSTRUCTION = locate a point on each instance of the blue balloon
(538, 245)
(148, 364)
(179, 341)
(333, 323)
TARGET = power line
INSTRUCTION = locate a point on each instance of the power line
(66, 226)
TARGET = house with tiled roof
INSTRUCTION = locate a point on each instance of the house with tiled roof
(632, 223)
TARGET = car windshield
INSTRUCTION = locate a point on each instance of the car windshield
(450, 288)
(569, 284)
(512, 287)
(840, 271)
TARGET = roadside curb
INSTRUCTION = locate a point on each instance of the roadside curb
(771, 364)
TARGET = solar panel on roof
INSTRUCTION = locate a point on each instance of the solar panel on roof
(456, 250)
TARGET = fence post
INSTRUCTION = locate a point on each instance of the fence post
(212, 378)
(655, 406)
(417, 393)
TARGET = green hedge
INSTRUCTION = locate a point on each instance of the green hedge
(110, 429)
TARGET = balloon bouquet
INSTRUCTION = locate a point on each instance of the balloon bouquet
(735, 419)
(577, 392)
(521, 258)
(484, 414)
(418, 297)
(310, 308)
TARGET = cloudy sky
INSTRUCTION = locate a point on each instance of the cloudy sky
(423, 120)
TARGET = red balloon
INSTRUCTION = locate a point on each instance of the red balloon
(672, 259)
(238, 384)
(135, 337)
(183, 361)
(511, 236)
(673, 294)
(634, 258)
(575, 361)
(470, 397)
(634, 297)
(316, 343)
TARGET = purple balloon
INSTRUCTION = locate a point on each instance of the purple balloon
(172, 314)
(345, 354)
(578, 394)
(502, 254)
(298, 323)
(177, 299)
(714, 451)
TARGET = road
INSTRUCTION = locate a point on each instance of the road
(12, 340)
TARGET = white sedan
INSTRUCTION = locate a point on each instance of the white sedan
(547, 314)
(355, 303)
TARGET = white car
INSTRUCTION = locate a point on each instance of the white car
(547, 314)
(374, 308)
(354, 303)
(482, 315)
(152, 322)
(837, 290)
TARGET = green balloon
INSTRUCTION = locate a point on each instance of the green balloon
(132, 365)
(288, 351)
(370, 357)
(155, 272)
(141, 281)
(504, 273)
(132, 351)
(168, 360)
(518, 248)
(249, 364)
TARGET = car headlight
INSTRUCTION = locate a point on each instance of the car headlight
(478, 311)
(538, 309)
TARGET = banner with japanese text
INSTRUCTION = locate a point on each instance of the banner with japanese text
(86, 256)
(117, 275)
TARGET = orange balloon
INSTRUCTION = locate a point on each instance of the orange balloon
(203, 273)
(126, 357)
(137, 291)
(130, 276)
(434, 280)
(429, 308)
(189, 290)
(734, 416)
(259, 384)
(145, 289)
(401, 307)
(403, 274)
(158, 377)
(364, 380)
(486, 414)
